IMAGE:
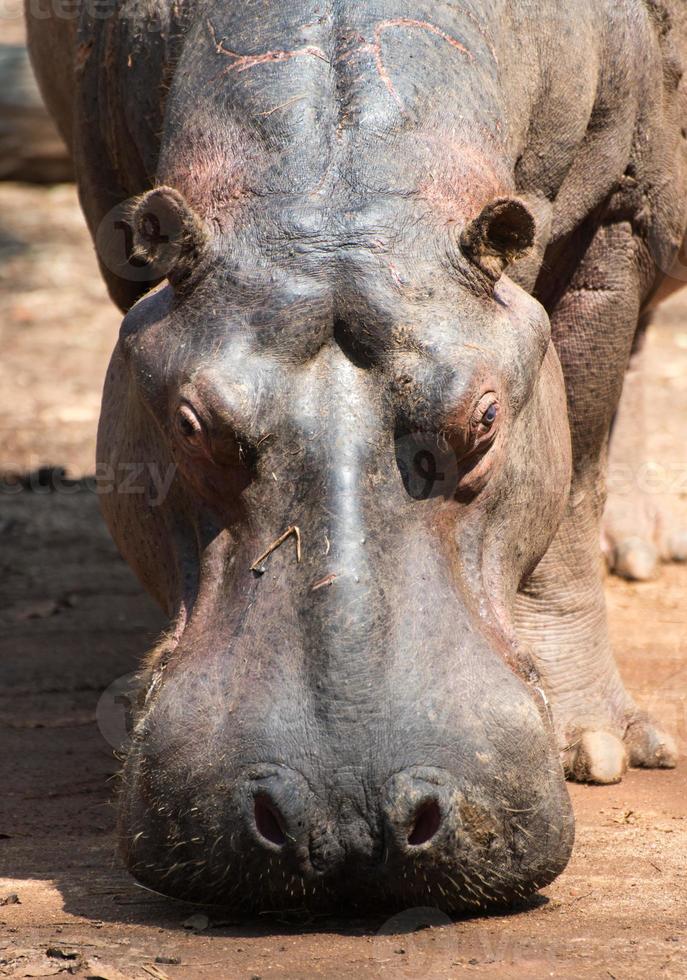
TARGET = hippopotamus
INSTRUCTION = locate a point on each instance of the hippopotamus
(383, 266)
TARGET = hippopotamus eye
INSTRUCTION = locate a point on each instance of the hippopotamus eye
(489, 416)
(486, 413)
(189, 427)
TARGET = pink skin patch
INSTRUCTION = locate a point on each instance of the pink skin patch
(464, 177)
(214, 181)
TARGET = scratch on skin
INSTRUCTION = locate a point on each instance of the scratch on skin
(244, 62)
(395, 276)
(285, 105)
(485, 37)
(421, 25)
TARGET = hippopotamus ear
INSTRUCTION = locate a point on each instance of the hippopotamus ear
(168, 234)
(502, 233)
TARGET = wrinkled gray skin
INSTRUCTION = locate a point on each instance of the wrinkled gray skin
(376, 217)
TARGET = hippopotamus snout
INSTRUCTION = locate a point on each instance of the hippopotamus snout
(468, 811)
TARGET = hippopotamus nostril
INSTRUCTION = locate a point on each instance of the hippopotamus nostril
(417, 809)
(428, 818)
(269, 823)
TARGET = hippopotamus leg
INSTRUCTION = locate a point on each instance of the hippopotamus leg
(639, 528)
(561, 610)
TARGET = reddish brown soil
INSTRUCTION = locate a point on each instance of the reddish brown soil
(73, 620)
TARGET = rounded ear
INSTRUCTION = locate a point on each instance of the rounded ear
(168, 234)
(502, 233)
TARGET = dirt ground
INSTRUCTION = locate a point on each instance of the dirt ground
(74, 621)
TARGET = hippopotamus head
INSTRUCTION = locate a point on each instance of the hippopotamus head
(370, 452)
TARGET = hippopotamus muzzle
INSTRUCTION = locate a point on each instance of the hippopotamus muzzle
(487, 824)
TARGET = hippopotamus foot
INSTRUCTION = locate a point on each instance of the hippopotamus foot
(638, 534)
(602, 732)
(602, 752)
(639, 529)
